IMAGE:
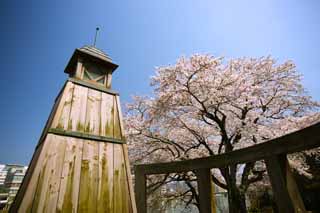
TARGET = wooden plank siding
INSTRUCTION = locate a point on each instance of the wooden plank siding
(66, 96)
(78, 110)
(92, 124)
(70, 183)
(89, 177)
(49, 178)
(72, 172)
(106, 115)
(90, 111)
(129, 178)
(105, 195)
(116, 121)
(120, 183)
(62, 120)
(31, 180)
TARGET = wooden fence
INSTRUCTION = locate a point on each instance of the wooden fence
(273, 152)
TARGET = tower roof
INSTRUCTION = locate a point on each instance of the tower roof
(92, 53)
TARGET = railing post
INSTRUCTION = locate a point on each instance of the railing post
(140, 189)
(294, 190)
(205, 189)
(276, 167)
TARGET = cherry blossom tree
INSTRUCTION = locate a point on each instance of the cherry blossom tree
(205, 105)
(299, 161)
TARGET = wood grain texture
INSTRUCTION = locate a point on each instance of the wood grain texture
(54, 173)
(129, 179)
(293, 189)
(120, 117)
(89, 177)
(79, 69)
(52, 114)
(89, 111)
(105, 185)
(88, 170)
(32, 180)
(93, 112)
(49, 177)
(86, 136)
(109, 78)
(120, 183)
(70, 181)
(66, 94)
(106, 115)
(94, 86)
(64, 114)
(116, 122)
(78, 110)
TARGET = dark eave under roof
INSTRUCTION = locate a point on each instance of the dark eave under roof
(93, 54)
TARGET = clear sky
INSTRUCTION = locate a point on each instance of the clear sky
(38, 37)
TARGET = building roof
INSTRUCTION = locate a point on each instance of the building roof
(94, 54)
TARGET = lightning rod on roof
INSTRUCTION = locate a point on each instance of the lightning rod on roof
(95, 37)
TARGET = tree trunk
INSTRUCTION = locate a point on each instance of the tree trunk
(236, 199)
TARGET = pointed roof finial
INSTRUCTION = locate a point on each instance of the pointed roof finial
(95, 37)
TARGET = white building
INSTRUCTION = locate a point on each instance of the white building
(11, 176)
(14, 178)
(3, 174)
(3, 200)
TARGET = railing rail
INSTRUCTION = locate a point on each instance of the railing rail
(273, 152)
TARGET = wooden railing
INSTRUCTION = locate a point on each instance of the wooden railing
(273, 152)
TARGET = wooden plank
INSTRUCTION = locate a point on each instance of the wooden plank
(61, 100)
(78, 110)
(89, 177)
(49, 178)
(293, 189)
(116, 122)
(120, 183)
(70, 181)
(279, 186)
(129, 178)
(85, 136)
(213, 199)
(120, 118)
(109, 78)
(31, 177)
(204, 188)
(24, 198)
(297, 141)
(92, 125)
(79, 69)
(61, 119)
(105, 185)
(106, 115)
(92, 86)
(140, 189)
(52, 115)
(41, 183)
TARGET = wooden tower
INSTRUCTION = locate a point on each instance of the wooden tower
(81, 163)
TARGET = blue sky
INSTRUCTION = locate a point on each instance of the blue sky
(38, 37)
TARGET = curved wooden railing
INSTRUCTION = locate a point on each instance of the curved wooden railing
(273, 152)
